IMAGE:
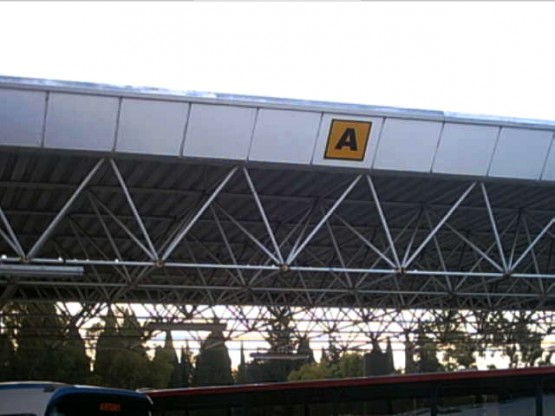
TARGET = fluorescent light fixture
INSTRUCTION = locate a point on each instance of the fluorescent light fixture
(277, 356)
(187, 326)
(32, 270)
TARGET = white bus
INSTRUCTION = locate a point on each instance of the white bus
(57, 399)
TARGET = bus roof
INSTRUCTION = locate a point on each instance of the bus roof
(353, 382)
(58, 389)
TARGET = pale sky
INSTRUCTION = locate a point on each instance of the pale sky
(493, 58)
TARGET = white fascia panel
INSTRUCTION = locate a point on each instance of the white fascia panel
(84, 122)
(549, 172)
(465, 149)
(284, 136)
(520, 153)
(219, 132)
(21, 117)
(365, 162)
(151, 127)
(407, 145)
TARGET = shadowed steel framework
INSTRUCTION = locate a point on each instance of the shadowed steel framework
(129, 216)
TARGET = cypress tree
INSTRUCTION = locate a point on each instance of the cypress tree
(160, 369)
(389, 357)
(176, 378)
(242, 376)
(213, 365)
(304, 349)
(75, 364)
(121, 359)
(107, 345)
(7, 353)
(186, 366)
(131, 359)
(39, 337)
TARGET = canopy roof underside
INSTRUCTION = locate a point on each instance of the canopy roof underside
(155, 231)
(95, 207)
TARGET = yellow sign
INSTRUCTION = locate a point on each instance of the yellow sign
(348, 139)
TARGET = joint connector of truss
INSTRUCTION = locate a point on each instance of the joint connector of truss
(401, 271)
(160, 263)
(508, 274)
(284, 267)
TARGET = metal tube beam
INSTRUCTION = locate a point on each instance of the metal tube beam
(125, 228)
(276, 268)
(293, 255)
(367, 242)
(11, 243)
(439, 225)
(531, 246)
(12, 240)
(46, 234)
(263, 215)
(267, 289)
(152, 250)
(185, 230)
(494, 228)
(228, 246)
(383, 221)
(109, 235)
(250, 236)
(418, 218)
(475, 248)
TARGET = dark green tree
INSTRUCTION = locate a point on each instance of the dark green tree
(107, 345)
(348, 365)
(515, 335)
(280, 338)
(176, 377)
(75, 364)
(312, 371)
(120, 350)
(522, 344)
(389, 357)
(131, 334)
(304, 349)
(376, 362)
(165, 371)
(38, 331)
(410, 354)
(49, 345)
(213, 365)
(242, 375)
(426, 353)
(453, 339)
(186, 366)
(7, 353)
(161, 369)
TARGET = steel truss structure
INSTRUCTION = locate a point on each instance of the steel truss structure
(191, 234)
(347, 257)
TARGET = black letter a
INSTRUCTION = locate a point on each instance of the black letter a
(348, 139)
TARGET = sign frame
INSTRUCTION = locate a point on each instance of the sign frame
(332, 136)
